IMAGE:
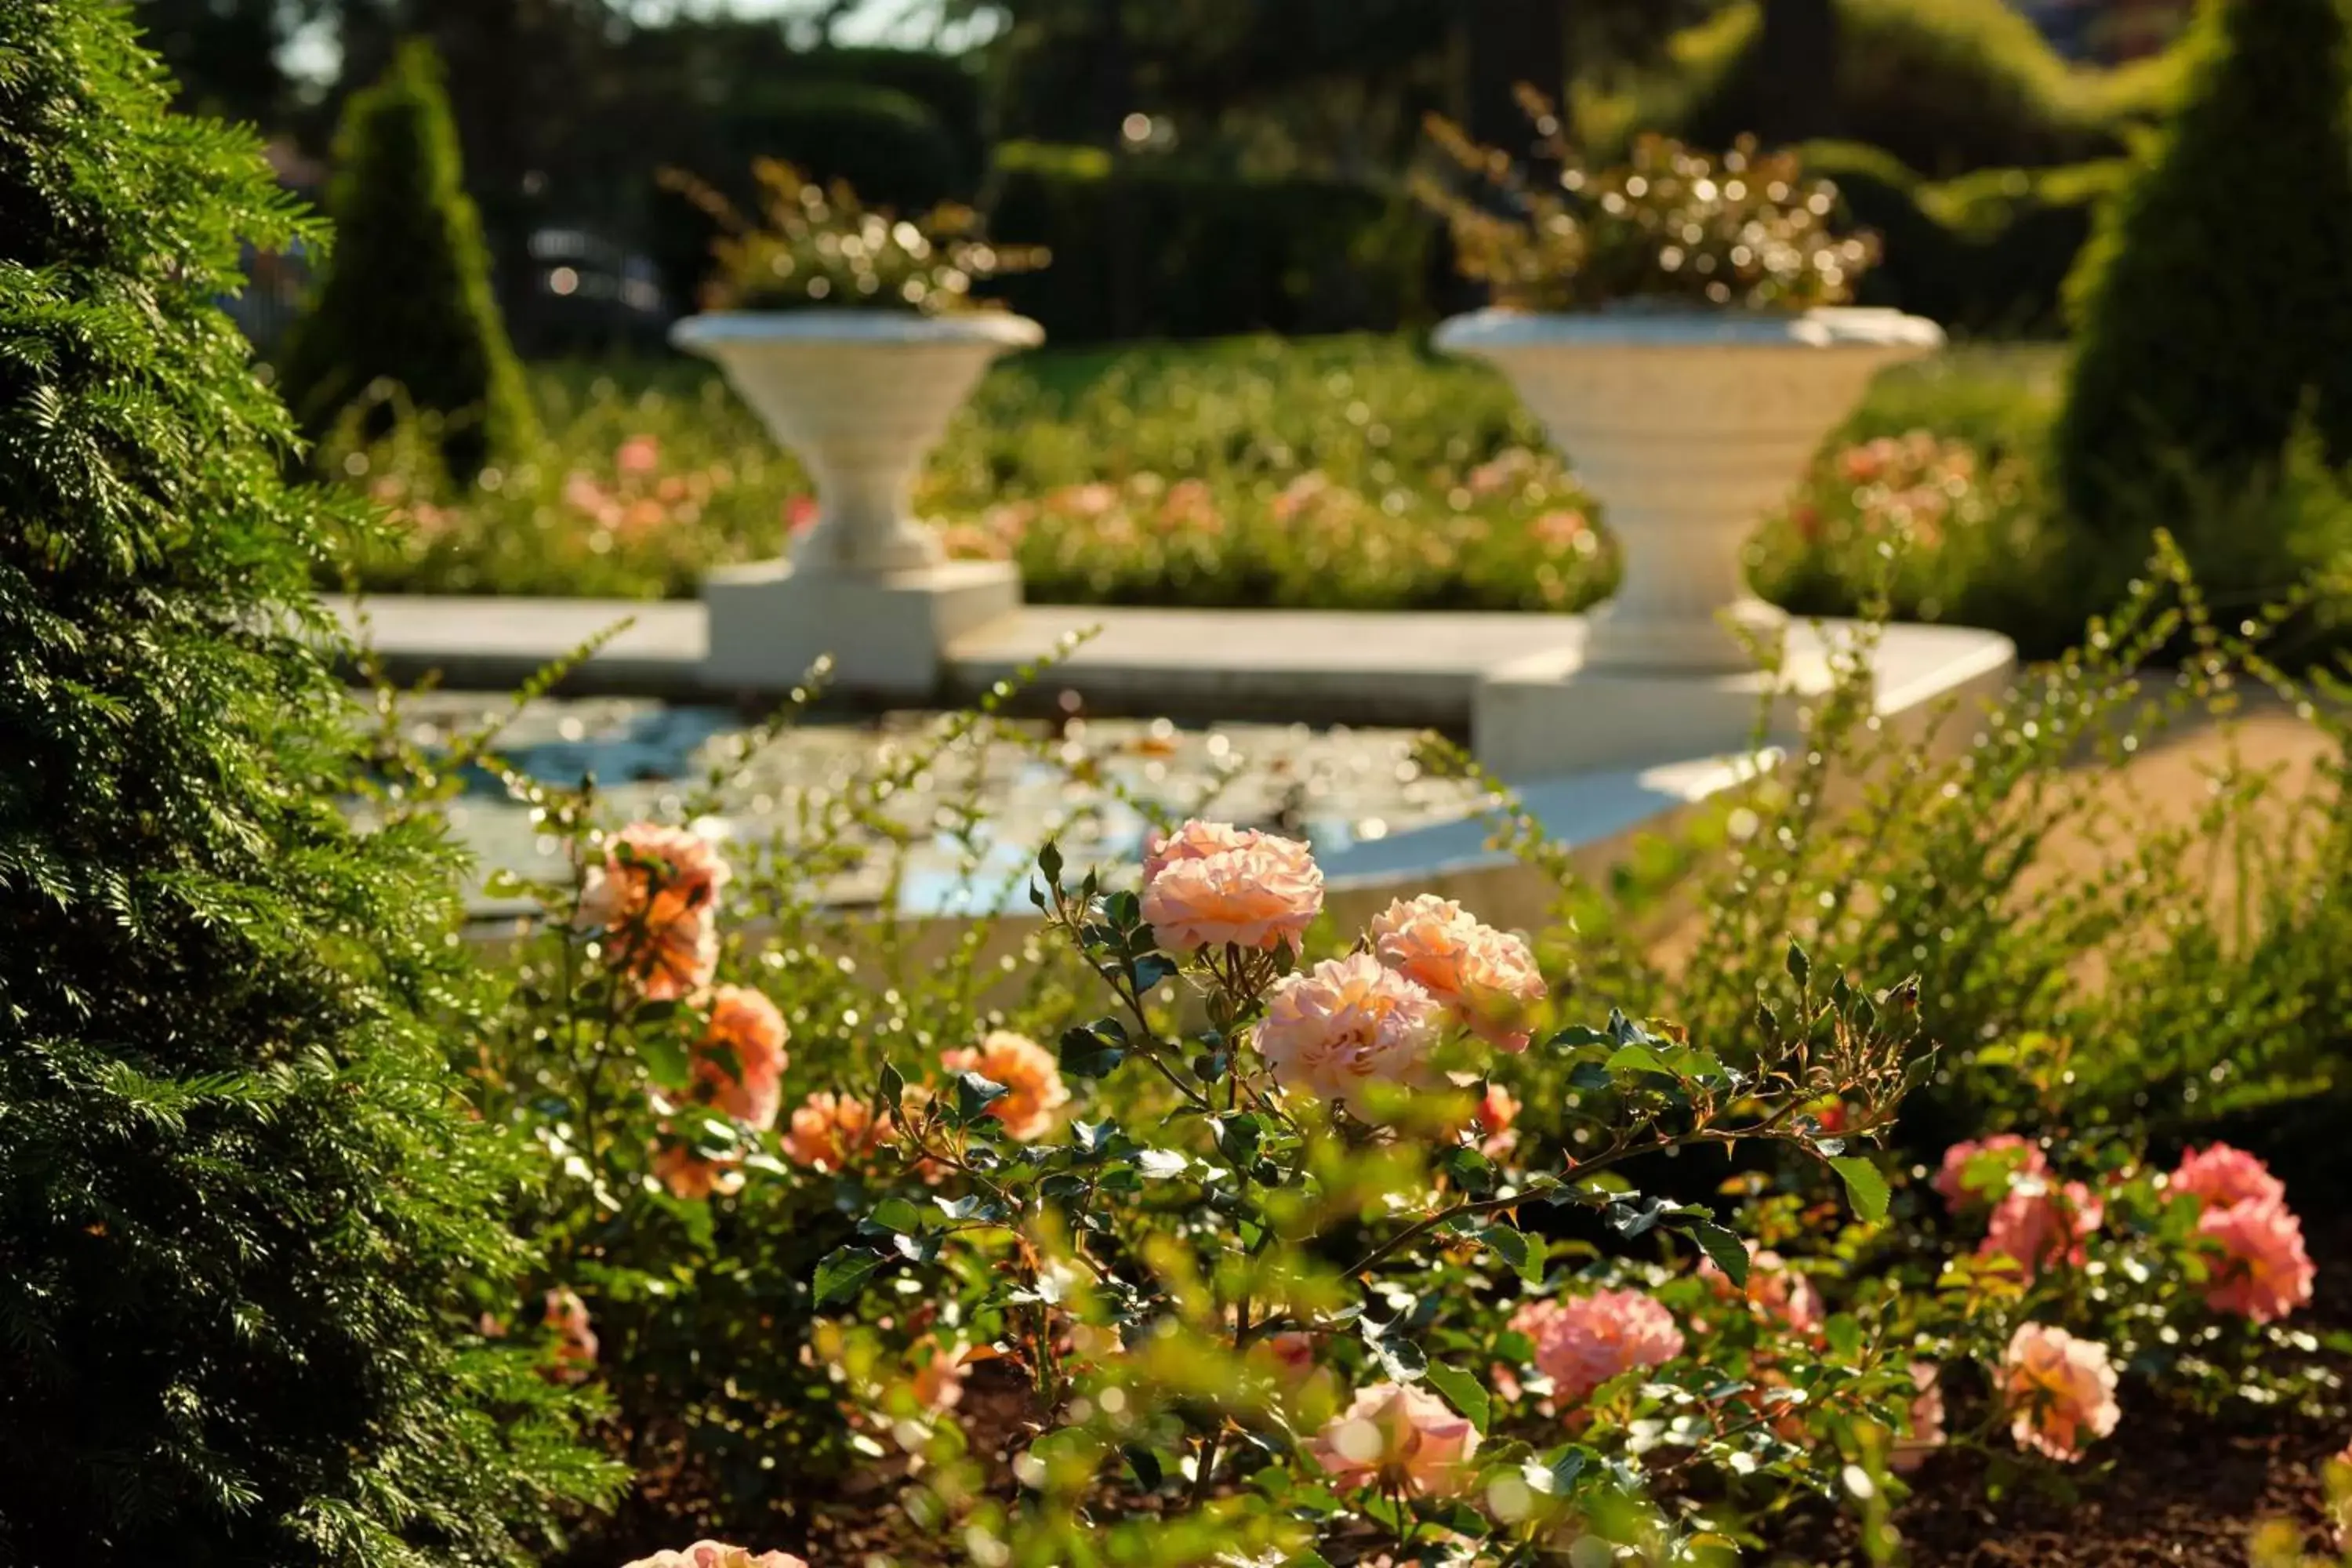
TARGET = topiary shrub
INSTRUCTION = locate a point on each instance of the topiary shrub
(406, 295)
(2211, 308)
(1945, 86)
(241, 1226)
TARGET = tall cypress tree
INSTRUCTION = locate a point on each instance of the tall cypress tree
(407, 296)
(2213, 310)
(241, 1220)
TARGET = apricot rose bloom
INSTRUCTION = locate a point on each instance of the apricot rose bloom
(738, 1065)
(655, 898)
(1216, 886)
(1775, 1290)
(2042, 1226)
(691, 1176)
(1952, 1178)
(2221, 1176)
(829, 1132)
(1335, 1029)
(2264, 1273)
(2060, 1390)
(1927, 1434)
(1486, 976)
(1032, 1080)
(1582, 1341)
(1400, 1438)
(715, 1555)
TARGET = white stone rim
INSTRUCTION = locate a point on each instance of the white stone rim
(1834, 327)
(995, 329)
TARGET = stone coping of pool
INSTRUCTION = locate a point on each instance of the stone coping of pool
(1316, 666)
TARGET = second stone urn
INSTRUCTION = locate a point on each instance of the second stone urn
(862, 397)
(1688, 427)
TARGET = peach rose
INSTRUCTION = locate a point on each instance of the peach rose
(2042, 1226)
(1032, 1079)
(1487, 977)
(1400, 1438)
(1497, 1110)
(1333, 1030)
(739, 1066)
(2060, 1390)
(939, 1375)
(1926, 1432)
(691, 1176)
(714, 1555)
(1775, 1290)
(2264, 1273)
(830, 1132)
(575, 1340)
(1582, 1341)
(655, 897)
(2221, 1176)
(1256, 891)
(1952, 1177)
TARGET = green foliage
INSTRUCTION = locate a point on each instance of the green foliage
(405, 298)
(2212, 314)
(243, 1226)
(1945, 86)
(1208, 253)
(1986, 254)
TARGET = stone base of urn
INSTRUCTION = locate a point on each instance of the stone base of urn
(1555, 714)
(888, 634)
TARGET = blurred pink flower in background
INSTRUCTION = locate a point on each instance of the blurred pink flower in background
(829, 1132)
(2221, 1175)
(739, 1065)
(1032, 1079)
(1927, 1434)
(1774, 1290)
(2060, 1390)
(637, 455)
(801, 513)
(717, 1554)
(1988, 1183)
(655, 897)
(2264, 1273)
(1582, 1341)
(2042, 1225)
(575, 1340)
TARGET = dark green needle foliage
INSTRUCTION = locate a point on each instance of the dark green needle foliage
(406, 299)
(2213, 310)
(243, 1232)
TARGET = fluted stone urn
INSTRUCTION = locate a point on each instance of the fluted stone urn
(861, 396)
(1688, 427)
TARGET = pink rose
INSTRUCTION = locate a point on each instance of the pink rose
(1497, 1110)
(829, 1132)
(1926, 1432)
(575, 1340)
(2263, 1272)
(2042, 1226)
(1193, 841)
(1489, 977)
(1582, 1341)
(2221, 1176)
(1032, 1079)
(638, 455)
(655, 898)
(713, 1554)
(1992, 1178)
(1775, 1291)
(1400, 1438)
(2060, 1390)
(1258, 894)
(1334, 1030)
(739, 1065)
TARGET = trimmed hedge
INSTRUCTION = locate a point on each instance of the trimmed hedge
(406, 295)
(1988, 254)
(2213, 313)
(1213, 253)
(1945, 86)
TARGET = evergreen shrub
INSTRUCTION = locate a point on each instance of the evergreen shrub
(244, 1234)
(2211, 311)
(406, 295)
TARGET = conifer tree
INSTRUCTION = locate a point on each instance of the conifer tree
(2212, 309)
(406, 295)
(243, 1226)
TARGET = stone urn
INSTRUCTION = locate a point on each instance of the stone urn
(861, 396)
(1688, 425)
